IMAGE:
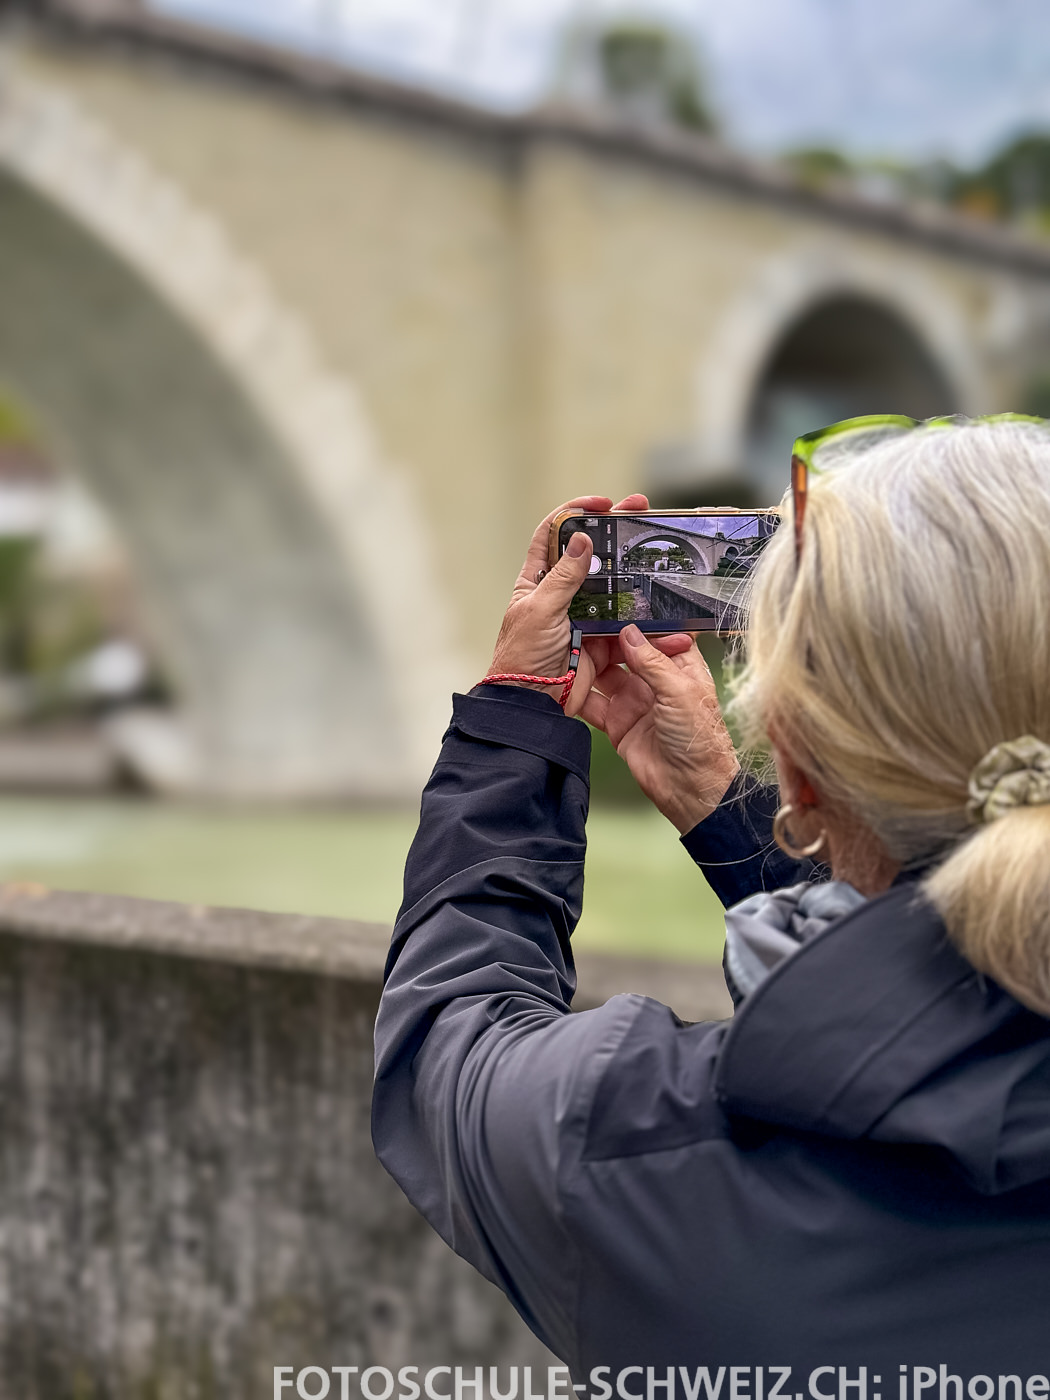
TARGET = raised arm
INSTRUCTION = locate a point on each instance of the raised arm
(483, 1079)
(478, 1062)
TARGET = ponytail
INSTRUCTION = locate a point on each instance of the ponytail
(993, 893)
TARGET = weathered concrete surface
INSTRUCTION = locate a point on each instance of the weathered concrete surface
(344, 948)
(695, 595)
(188, 1195)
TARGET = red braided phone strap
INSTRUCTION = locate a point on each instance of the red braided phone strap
(564, 681)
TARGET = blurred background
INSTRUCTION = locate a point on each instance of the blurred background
(310, 309)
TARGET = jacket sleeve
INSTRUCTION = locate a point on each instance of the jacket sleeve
(482, 1076)
(734, 846)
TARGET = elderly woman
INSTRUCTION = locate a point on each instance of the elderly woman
(854, 1171)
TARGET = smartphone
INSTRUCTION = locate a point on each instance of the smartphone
(665, 570)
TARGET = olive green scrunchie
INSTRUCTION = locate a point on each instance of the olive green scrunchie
(1013, 774)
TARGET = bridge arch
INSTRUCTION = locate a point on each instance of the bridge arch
(241, 473)
(845, 356)
(884, 314)
(705, 554)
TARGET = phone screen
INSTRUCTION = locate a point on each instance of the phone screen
(667, 572)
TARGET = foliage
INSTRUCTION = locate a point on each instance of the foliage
(46, 621)
(66, 621)
(1014, 184)
(645, 60)
(640, 66)
(15, 428)
(818, 166)
(46, 624)
(645, 557)
(623, 605)
(611, 781)
(17, 556)
(1036, 398)
(642, 557)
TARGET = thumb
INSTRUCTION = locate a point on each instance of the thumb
(558, 587)
(657, 670)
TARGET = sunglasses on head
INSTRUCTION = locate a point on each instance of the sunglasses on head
(861, 432)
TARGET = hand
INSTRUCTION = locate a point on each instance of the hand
(535, 635)
(662, 717)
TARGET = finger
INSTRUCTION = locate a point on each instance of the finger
(670, 643)
(538, 551)
(612, 680)
(604, 651)
(595, 709)
(554, 593)
(636, 501)
(607, 653)
(673, 643)
(632, 702)
(581, 688)
(665, 676)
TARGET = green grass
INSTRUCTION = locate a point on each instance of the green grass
(643, 894)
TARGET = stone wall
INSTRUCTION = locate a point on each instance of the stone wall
(189, 1196)
(671, 600)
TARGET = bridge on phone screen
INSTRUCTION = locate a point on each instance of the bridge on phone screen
(326, 348)
(705, 552)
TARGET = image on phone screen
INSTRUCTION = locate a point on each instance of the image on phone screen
(666, 572)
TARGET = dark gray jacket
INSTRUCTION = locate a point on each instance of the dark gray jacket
(854, 1170)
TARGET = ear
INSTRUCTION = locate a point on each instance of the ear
(795, 786)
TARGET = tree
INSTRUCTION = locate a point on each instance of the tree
(818, 166)
(642, 557)
(637, 66)
(15, 429)
(1015, 183)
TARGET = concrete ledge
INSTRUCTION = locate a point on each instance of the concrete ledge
(695, 991)
(345, 948)
(188, 1191)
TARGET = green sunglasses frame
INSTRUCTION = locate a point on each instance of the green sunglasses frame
(805, 447)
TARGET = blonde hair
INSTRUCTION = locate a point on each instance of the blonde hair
(913, 637)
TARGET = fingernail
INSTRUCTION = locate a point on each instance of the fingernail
(577, 545)
(631, 635)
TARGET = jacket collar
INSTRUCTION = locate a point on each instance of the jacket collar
(860, 1015)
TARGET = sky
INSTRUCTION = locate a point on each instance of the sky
(744, 527)
(912, 79)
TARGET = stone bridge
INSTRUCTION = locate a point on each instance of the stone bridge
(705, 552)
(327, 348)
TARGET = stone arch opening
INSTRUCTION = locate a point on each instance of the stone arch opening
(683, 541)
(281, 687)
(845, 356)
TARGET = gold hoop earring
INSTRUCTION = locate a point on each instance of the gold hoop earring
(783, 839)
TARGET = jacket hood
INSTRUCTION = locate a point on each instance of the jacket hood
(877, 1027)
